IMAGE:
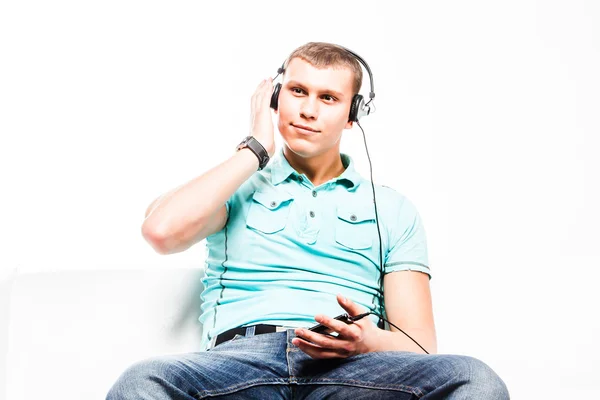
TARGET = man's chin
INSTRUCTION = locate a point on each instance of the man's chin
(301, 147)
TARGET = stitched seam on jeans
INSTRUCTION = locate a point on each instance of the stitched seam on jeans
(245, 385)
(350, 382)
(289, 364)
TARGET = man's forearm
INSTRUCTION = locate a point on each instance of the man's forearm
(398, 341)
(201, 197)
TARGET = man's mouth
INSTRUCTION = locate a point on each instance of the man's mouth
(305, 128)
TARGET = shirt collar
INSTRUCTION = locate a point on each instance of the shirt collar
(281, 170)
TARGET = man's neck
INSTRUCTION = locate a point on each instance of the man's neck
(318, 169)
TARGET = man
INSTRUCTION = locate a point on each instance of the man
(294, 243)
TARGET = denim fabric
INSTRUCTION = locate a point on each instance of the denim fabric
(269, 366)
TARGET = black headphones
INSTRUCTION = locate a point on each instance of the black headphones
(358, 108)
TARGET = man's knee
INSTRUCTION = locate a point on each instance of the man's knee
(482, 381)
(145, 378)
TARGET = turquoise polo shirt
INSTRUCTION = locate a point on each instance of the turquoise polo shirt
(291, 247)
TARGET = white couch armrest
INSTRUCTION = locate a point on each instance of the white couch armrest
(72, 333)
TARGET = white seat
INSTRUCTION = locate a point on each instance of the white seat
(70, 334)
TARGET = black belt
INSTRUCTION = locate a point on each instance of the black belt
(242, 330)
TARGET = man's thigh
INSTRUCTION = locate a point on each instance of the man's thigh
(367, 376)
(395, 375)
(231, 370)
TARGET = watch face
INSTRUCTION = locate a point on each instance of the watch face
(252, 144)
(244, 143)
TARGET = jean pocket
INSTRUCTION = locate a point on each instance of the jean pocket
(354, 227)
(269, 211)
(233, 339)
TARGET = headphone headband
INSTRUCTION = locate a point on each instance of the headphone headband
(363, 62)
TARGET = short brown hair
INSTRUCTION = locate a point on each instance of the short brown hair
(322, 55)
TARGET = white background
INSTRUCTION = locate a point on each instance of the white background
(487, 119)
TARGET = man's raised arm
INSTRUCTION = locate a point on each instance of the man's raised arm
(187, 214)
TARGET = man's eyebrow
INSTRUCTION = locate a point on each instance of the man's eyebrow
(333, 92)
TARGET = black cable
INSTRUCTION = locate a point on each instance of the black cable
(357, 317)
(380, 289)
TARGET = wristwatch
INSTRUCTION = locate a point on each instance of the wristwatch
(257, 148)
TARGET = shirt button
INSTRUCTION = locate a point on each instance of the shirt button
(273, 204)
(353, 217)
(312, 214)
(300, 179)
(314, 193)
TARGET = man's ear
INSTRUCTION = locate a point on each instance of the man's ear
(349, 125)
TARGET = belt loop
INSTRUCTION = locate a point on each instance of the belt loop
(250, 331)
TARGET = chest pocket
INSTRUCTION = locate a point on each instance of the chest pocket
(354, 226)
(269, 211)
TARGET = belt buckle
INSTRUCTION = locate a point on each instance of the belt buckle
(213, 341)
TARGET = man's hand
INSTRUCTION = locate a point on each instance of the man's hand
(261, 122)
(359, 337)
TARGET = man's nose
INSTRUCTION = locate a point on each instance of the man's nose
(309, 108)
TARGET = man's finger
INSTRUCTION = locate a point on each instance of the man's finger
(319, 339)
(317, 351)
(348, 305)
(338, 326)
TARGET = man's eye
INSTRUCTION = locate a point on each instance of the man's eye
(326, 97)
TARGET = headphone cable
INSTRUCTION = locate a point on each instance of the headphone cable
(357, 317)
(380, 289)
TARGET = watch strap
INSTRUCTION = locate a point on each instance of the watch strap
(257, 148)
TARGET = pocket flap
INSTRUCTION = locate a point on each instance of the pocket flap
(354, 215)
(271, 199)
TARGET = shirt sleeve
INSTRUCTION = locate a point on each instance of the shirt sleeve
(408, 242)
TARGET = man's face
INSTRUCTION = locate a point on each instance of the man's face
(318, 99)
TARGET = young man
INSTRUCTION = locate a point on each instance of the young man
(294, 243)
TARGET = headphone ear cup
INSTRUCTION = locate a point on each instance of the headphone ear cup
(275, 96)
(357, 101)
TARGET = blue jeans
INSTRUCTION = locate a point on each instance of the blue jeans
(269, 366)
